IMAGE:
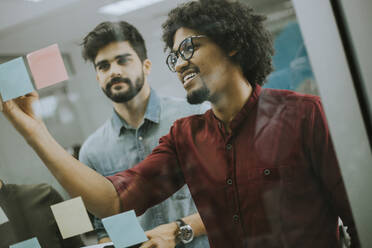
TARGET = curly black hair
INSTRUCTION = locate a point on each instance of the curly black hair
(232, 26)
(107, 32)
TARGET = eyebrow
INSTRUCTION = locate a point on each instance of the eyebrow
(120, 56)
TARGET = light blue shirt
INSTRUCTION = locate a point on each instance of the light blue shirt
(116, 146)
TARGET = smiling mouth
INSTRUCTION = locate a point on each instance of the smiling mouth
(188, 78)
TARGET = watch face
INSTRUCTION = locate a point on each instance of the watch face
(186, 234)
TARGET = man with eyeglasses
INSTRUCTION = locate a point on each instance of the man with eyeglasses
(260, 165)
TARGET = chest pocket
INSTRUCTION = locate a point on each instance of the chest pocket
(288, 180)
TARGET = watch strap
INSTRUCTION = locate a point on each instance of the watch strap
(180, 223)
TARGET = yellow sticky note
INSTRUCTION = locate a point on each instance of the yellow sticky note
(72, 217)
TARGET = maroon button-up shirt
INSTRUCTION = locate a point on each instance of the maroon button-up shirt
(274, 181)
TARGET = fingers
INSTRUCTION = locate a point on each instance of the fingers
(149, 244)
(157, 242)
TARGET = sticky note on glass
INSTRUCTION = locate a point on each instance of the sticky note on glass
(14, 79)
(3, 217)
(124, 229)
(47, 67)
(72, 217)
(30, 243)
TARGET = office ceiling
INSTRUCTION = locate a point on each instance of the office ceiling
(66, 20)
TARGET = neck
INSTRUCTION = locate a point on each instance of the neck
(133, 111)
(232, 100)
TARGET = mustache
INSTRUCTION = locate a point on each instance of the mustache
(190, 67)
(116, 80)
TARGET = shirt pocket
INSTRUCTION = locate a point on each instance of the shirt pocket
(271, 180)
(291, 181)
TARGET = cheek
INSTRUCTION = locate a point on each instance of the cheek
(101, 80)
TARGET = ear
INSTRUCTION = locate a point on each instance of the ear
(146, 66)
(97, 77)
(232, 53)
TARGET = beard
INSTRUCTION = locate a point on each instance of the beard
(129, 94)
(199, 95)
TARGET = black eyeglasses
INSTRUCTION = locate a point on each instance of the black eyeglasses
(185, 49)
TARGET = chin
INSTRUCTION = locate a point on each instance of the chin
(198, 96)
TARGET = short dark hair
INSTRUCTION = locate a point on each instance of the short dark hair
(107, 32)
(233, 27)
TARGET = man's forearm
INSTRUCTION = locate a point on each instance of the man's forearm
(98, 193)
(196, 224)
(166, 235)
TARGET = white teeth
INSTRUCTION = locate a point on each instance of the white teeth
(189, 76)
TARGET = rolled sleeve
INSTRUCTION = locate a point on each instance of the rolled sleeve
(151, 181)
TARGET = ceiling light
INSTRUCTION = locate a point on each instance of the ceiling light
(34, 1)
(125, 6)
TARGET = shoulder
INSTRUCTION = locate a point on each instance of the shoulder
(192, 122)
(290, 98)
(96, 139)
(99, 133)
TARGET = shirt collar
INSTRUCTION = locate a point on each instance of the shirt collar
(152, 114)
(247, 107)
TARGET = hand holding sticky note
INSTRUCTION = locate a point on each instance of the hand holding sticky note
(124, 229)
(72, 217)
(30, 243)
(46, 66)
(14, 79)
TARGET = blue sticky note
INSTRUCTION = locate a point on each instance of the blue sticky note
(14, 79)
(30, 243)
(124, 229)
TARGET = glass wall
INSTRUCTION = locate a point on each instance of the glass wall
(75, 108)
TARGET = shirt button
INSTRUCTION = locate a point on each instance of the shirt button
(140, 138)
(228, 147)
(229, 181)
(266, 172)
(236, 218)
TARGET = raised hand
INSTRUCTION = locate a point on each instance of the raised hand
(20, 112)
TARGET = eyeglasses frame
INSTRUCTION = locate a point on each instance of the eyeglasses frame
(180, 54)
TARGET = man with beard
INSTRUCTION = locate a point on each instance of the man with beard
(260, 164)
(140, 117)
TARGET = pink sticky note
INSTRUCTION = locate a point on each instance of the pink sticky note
(47, 66)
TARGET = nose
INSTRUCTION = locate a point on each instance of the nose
(180, 64)
(115, 70)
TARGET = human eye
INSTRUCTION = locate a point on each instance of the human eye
(122, 60)
(187, 46)
(103, 66)
(172, 58)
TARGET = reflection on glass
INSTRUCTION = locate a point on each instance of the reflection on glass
(74, 112)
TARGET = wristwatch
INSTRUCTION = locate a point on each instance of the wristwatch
(185, 234)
